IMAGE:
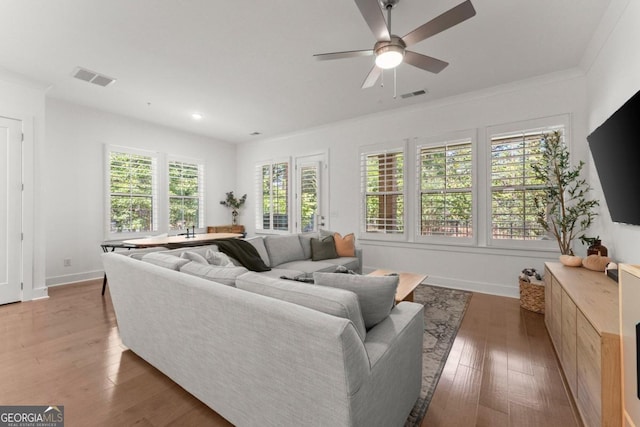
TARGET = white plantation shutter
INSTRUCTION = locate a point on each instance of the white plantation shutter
(445, 182)
(383, 189)
(272, 195)
(186, 194)
(133, 193)
(513, 186)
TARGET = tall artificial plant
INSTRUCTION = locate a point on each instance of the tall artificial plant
(562, 207)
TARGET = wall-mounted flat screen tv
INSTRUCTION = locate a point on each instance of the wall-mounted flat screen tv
(615, 147)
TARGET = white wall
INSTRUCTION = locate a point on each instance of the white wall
(24, 100)
(74, 180)
(613, 77)
(481, 268)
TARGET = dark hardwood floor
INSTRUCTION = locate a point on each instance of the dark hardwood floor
(65, 350)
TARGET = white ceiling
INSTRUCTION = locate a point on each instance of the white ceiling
(248, 65)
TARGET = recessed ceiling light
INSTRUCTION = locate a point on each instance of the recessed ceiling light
(196, 116)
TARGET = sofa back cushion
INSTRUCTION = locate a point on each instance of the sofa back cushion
(283, 249)
(305, 241)
(224, 275)
(336, 302)
(375, 294)
(165, 260)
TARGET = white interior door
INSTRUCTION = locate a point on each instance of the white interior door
(311, 203)
(10, 210)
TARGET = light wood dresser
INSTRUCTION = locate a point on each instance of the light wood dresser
(582, 317)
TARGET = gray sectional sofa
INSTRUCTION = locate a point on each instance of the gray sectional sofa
(265, 351)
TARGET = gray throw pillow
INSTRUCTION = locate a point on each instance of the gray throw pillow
(224, 275)
(336, 302)
(164, 260)
(305, 241)
(283, 249)
(323, 249)
(375, 294)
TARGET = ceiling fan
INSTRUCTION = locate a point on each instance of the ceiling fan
(391, 50)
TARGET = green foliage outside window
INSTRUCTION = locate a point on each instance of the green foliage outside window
(184, 195)
(131, 192)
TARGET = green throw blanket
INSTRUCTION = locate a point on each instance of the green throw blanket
(244, 252)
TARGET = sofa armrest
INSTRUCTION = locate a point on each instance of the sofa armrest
(359, 256)
(404, 320)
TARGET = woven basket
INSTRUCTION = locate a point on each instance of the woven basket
(532, 296)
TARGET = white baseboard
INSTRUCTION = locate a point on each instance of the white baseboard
(467, 285)
(74, 278)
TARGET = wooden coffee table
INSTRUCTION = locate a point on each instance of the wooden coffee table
(407, 283)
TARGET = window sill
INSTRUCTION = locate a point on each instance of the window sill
(537, 252)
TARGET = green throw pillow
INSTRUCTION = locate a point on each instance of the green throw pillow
(323, 249)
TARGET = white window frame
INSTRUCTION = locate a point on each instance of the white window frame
(201, 184)
(439, 141)
(376, 149)
(156, 165)
(545, 125)
(258, 197)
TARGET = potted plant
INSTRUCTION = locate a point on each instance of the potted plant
(234, 204)
(563, 208)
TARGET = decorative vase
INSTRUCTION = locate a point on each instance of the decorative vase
(597, 249)
(571, 260)
(234, 217)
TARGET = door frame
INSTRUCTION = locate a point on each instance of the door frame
(29, 161)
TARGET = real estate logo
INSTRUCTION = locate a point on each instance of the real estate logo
(32, 416)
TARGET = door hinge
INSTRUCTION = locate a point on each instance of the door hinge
(21, 236)
(22, 187)
(21, 286)
(22, 138)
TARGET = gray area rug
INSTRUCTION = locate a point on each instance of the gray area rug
(444, 309)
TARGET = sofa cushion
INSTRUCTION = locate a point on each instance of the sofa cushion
(345, 246)
(223, 275)
(258, 243)
(283, 249)
(350, 263)
(308, 266)
(375, 294)
(336, 302)
(305, 241)
(162, 259)
(323, 249)
(194, 256)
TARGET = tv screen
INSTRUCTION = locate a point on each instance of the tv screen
(615, 147)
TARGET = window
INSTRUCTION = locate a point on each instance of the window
(513, 186)
(383, 190)
(132, 192)
(273, 191)
(445, 182)
(186, 194)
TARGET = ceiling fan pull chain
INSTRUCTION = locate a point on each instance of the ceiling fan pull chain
(382, 79)
(395, 92)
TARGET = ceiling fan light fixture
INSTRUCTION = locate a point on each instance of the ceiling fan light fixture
(390, 56)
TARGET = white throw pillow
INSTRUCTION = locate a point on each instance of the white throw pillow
(218, 258)
(195, 257)
(164, 260)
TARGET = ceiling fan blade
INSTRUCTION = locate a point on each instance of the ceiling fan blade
(372, 77)
(452, 17)
(341, 55)
(372, 14)
(424, 62)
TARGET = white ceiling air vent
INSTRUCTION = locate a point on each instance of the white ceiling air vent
(92, 77)
(411, 94)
